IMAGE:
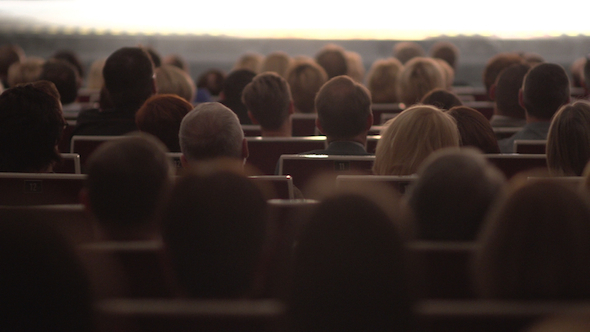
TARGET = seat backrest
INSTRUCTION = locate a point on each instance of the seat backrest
(572, 182)
(70, 164)
(511, 164)
(505, 132)
(85, 145)
(40, 188)
(190, 315)
(264, 152)
(484, 107)
(280, 186)
(530, 146)
(372, 143)
(477, 93)
(303, 124)
(385, 108)
(399, 183)
(251, 130)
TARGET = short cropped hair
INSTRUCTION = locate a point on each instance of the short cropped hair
(568, 141)
(446, 51)
(210, 130)
(441, 98)
(72, 58)
(409, 138)
(546, 88)
(508, 84)
(172, 80)
(382, 80)
(343, 107)
(305, 79)
(31, 126)
(333, 59)
(235, 82)
(356, 68)
(496, 64)
(161, 116)
(475, 130)
(277, 62)
(268, 98)
(405, 51)
(249, 61)
(127, 179)
(64, 76)
(418, 77)
(128, 75)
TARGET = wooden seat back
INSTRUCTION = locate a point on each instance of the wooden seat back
(264, 152)
(85, 145)
(40, 188)
(530, 146)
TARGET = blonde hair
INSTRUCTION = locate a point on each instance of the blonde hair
(95, 79)
(382, 80)
(250, 61)
(356, 68)
(277, 62)
(411, 137)
(173, 80)
(305, 79)
(418, 77)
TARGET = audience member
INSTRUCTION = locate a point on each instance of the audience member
(250, 61)
(72, 58)
(535, 246)
(305, 79)
(269, 103)
(441, 98)
(446, 51)
(532, 59)
(209, 85)
(405, 51)
(161, 116)
(154, 56)
(495, 65)
(350, 272)
(9, 54)
(129, 80)
(26, 71)
(66, 80)
(333, 59)
(356, 68)
(31, 126)
(127, 180)
(277, 62)
(95, 80)
(507, 109)
(568, 141)
(577, 71)
(447, 71)
(417, 78)
(474, 129)
(172, 80)
(214, 228)
(231, 93)
(177, 61)
(382, 80)
(453, 193)
(209, 131)
(344, 116)
(586, 77)
(545, 89)
(409, 138)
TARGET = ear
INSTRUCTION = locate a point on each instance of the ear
(492, 93)
(369, 123)
(245, 152)
(317, 124)
(252, 118)
(521, 98)
(84, 200)
(291, 107)
(183, 161)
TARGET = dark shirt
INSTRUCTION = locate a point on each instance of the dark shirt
(109, 122)
(531, 131)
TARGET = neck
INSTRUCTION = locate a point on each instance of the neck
(533, 119)
(360, 138)
(285, 130)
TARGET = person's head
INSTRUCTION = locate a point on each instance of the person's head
(129, 77)
(586, 75)
(64, 76)
(417, 78)
(154, 56)
(305, 79)
(31, 126)
(441, 98)
(532, 59)
(344, 108)
(268, 99)
(350, 271)
(535, 246)
(211, 130)
(505, 90)
(577, 72)
(475, 130)
(409, 138)
(172, 80)
(95, 80)
(354, 63)
(72, 58)
(249, 61)
(333, 59)
(545, 89)
(9, 54)
(212, 80)
(26, 71)
(177, 61)
(496, 64)
(446, 51)
(235, 83)
(382, 80)
(127, 180)
(405, 51)
(453, 194)
(568, 142)
(161, 115)
(277, 62)
(214, 228)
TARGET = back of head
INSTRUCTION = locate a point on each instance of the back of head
(418, 77)
(441, 98)
(343, 107)
(26, 71)
(211, 130)
(127, 179)
(475, 129)
(64, 76)
(128, 77)
(405, 51)
(72, 58)
(586, 73)
(214, 228)
(9, 54)
(235, 83)
(268, 98)
(355, 66)
(172, 80)
(446, 51)
(496, 64)
(453, 194)
(545, 89)
(333, 59)
(249, 61)
(212, 80)
(350, 271)
(382, 80)
(409, 138)
(535, 247)
(95, 79)
(568, 142)
(177, 61)
(277, 62)
(305, 79)
(31, 125)
(161, 116)
(508, 84)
